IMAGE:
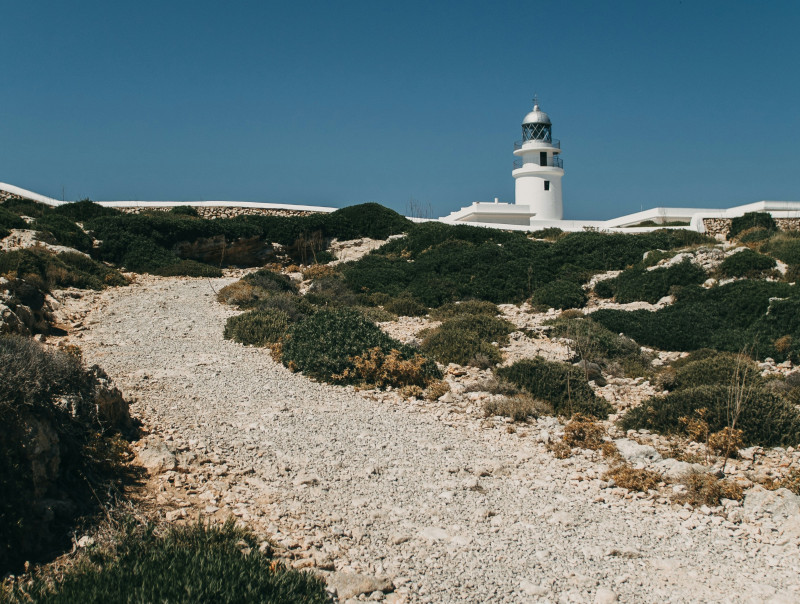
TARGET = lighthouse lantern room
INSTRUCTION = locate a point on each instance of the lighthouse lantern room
(538, 168)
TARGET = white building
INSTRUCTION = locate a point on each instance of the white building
(537, 172)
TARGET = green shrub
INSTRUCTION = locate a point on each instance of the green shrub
(196, 563)
(365, 220)
(438, 263)
(560, 294)
(325, 344)
(406, 306)
(766, 419)
(257, 327)
(560, 384)
(270, 281)
(63, 231)
(461, 347)
(59, 270)
(746, 263)
(185, 211)
(605, 288)
(465, 339)
(592, 341)
(296, 307)
(717, 368)
(467, 307)
(188, 268)
(746, 314)
(25, 207)
(83, 210)
(331, 292)
(9, 220)
(751, 220)
(638, 283)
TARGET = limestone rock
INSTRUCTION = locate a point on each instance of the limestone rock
(155, 456)
(350, 585)
(634, 453)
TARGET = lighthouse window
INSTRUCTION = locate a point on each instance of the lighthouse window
(547, 185)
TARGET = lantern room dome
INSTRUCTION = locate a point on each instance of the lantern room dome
(537, 116)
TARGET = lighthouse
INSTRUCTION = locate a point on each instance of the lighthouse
(538, 168)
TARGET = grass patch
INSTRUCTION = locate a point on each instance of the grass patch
(198, 563)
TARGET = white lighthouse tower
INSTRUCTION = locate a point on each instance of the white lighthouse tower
(538, 169)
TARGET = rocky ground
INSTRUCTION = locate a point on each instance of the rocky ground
(405, 500)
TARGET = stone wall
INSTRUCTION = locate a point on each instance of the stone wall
(721, 226)
(5, 195)
(223, 211)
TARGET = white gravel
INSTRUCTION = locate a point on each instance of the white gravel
(452, 509)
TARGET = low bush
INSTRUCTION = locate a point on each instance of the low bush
(406, 306)
(584, 432)
(8, 221)
(548, 234)
(188, 268)
(705, 489)
(560, 294)
(58, 229)
(639, 283)
(467, 307)
(746, 314)
(605, 288)
(380, 369)
(83, 210)
(296, 307)
(436, 389)
(464, 339)
(196, 563)
(519, 407)
(59, 270)
(746, 263)
(325, 344)
(239, 293)
(750, 220)
(185, 211)
(653, 257)
(633, 479)
(592, 341)
(766, 419)
(318, 271)
(257, 327)
(270, 281)
(711, 368)
(331, 292)
(365, 220)
(562, 385)
(439, 263)
(25, 207)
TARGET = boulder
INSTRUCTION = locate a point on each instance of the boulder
(634, 453)
(351, 585)
(781, 504)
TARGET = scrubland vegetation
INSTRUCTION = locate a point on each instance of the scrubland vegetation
(328, 329)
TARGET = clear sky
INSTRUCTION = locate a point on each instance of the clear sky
(333, 103)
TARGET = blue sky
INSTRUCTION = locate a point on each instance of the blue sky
(333, 103)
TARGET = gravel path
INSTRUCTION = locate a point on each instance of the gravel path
(450, 508)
